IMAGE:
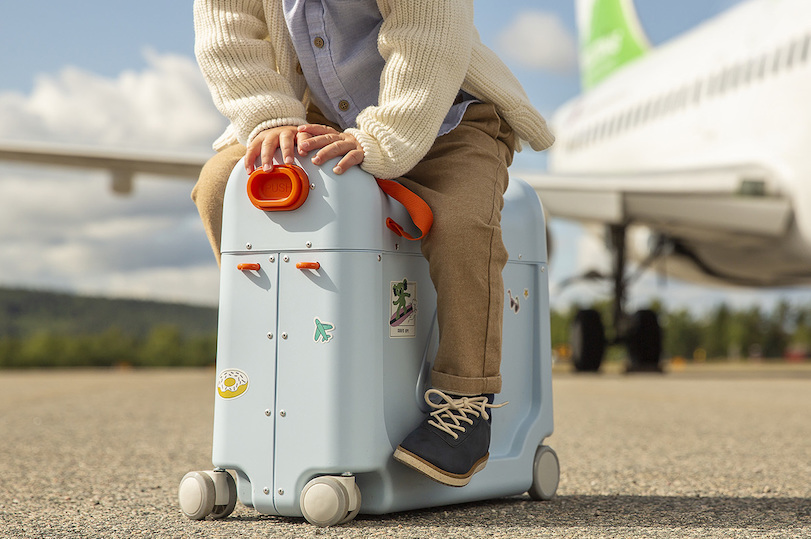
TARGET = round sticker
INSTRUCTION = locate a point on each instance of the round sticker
(231, 383)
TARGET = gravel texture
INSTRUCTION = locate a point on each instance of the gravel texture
(701, 452)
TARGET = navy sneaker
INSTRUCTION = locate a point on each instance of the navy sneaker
(453, 442)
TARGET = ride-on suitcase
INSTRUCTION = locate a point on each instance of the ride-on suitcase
(327, 331)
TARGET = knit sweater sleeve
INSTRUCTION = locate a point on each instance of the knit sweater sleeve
(236, 55)
(426, 45)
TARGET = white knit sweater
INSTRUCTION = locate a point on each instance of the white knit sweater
(431, 50)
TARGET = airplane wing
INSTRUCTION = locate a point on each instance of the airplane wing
(732, 201)
(122, 164)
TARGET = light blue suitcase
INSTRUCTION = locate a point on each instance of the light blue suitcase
(321, 372)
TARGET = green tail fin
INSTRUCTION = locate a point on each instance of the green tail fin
(610, 37)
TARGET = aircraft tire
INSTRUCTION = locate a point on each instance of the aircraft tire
(645, 341)
(587, 339)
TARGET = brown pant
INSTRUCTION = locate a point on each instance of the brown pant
(462, 178)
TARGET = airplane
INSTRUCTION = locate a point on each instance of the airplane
(698, 145)
(322, 330)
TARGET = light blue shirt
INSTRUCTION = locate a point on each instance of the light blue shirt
(336, 44)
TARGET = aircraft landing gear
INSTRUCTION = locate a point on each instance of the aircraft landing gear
(640, 332)
(587, 339)
(644, 342)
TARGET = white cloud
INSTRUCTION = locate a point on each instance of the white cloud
(65, 230)
(539, 40)
(167, 105)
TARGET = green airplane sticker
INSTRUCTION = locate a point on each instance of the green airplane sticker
(323, 331)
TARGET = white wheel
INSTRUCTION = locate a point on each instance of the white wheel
(324, 501)
(196, 495)
(222, 511)
(352, 514)
(545, 474)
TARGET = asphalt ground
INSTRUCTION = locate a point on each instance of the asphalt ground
(703, 451)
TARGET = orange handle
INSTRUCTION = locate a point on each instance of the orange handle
(253, 267)
(417, 209)
(308, 265)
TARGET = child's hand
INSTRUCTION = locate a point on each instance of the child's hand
(331, 143)
(265, 143)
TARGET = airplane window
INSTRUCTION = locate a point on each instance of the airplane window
(678, 99)
(638, 114)
(684, 97)
(673, 101)
(661, 105)
(736, 75)
(629, 118)
(713, 84)
(621, 121)
(722, 86)
(730, 79)
(697, 91)
(657, 106)
(747, 71)
(776, 61)
(790, 56)
(762, 66)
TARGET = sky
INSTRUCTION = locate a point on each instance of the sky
(123, 75)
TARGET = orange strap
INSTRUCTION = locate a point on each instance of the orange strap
(417, 208)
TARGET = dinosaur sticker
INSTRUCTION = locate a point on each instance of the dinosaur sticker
(403, 311)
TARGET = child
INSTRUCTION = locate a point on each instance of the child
(405, 90)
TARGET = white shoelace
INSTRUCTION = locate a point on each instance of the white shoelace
(448, 415)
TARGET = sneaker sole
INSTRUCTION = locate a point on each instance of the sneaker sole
(440, 476)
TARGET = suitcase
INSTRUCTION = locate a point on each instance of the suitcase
(327, 331)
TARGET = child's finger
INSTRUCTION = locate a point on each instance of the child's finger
(269, 145)
(251, 156)
(316, 129)
(355, 157)
(287, 141)
(316, 142)
(337, 148)
(301, 138)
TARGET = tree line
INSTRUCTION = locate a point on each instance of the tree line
(162, 346)
(723, 332)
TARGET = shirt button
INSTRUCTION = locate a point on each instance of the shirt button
(319, 42)
(343, 104)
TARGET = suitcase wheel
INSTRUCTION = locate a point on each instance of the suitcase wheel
(545, 474)
(207, 493)
(326, 500)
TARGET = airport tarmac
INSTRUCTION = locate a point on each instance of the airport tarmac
(704, 451)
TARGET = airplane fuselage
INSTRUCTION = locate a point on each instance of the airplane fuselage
(734, 91)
